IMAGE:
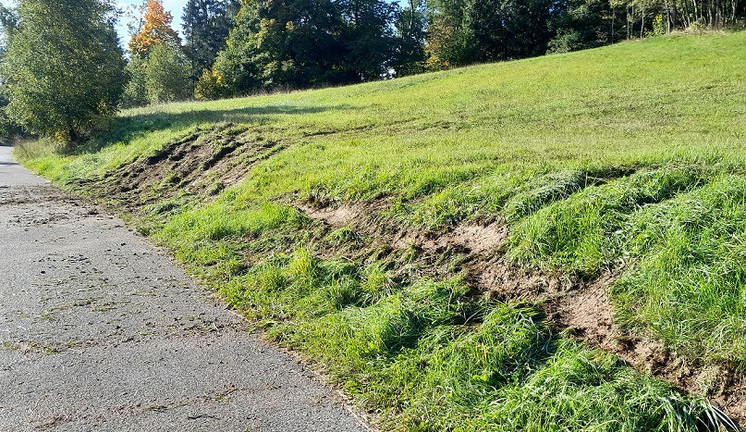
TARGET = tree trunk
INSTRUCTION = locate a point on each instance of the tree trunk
(733, 11)
(696, 11)
(627, 25)
(642, 23)
(668, 18)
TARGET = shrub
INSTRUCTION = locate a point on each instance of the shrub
(135, 92)
(212, 85)
(167, 74)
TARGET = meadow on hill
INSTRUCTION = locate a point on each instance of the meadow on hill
(549, 244)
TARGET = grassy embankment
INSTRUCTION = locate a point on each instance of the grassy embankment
(623, 164)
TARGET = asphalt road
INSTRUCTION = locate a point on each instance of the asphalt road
(99, 331)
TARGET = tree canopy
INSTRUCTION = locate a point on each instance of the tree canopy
(63, 71)
(156, 28)
(305, 43)
(206, 24)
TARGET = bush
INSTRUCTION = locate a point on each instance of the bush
(135, 92)
(564, 42)
(212, 85)
(167, 74)
(659, 25)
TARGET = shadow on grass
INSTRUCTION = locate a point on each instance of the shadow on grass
(126, 128)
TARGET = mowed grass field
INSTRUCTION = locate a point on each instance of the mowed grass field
(622, 164)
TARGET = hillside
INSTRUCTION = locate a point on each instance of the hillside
(473, 249)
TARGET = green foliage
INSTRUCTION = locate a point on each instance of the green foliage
(409, 52)
(658, 16)
(206, 24)
(161, 77)
(167, 74)
(481, 31)
(304, 43)
(367, 37)
(299, 43)
(212, 84)
(63, 70)
(9, 129)
(583, 24)
(9, 21)
(234, 71)
(659, 27)
(135, 92)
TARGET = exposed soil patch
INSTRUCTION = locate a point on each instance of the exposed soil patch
(479, 239)
(364, 217)
(207, 161)
(583, 308)
(201, 165)
(336, 217)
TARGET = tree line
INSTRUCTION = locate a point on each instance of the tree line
(63, 71)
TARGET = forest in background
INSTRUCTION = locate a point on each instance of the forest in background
(234, 47)
(65, 74)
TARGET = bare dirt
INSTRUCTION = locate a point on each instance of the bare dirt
(205, 162)
(583, 308)
(100, 331)
(200, 165)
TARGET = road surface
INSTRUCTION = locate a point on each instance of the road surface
(99, 331)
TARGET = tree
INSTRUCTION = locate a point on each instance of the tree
(409, 53)
(64, 70)
(582, 24)
(156, 28)
(304, 43)
(167, 74)
(235, 70)
(9, 23)
(368, 37)
(283, 43)
(135, 92)
(300, 44)
(646, 17)
(206, 25)
(464, 32)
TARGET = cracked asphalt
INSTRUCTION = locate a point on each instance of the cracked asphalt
(99, 331)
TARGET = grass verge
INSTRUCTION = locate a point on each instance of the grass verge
(627, 158)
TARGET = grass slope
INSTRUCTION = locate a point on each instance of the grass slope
(627, 158)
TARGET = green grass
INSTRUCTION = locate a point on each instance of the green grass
(628, 157)
(428, 357)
